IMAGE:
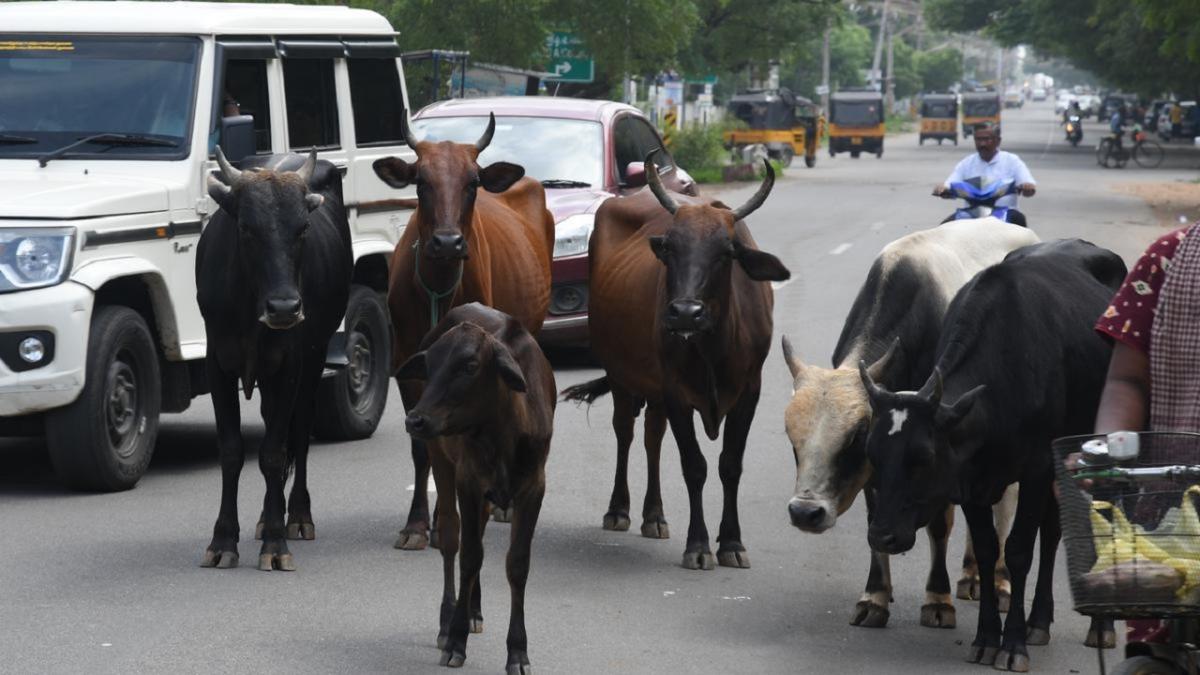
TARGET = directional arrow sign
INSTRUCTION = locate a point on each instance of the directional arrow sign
(569, 61)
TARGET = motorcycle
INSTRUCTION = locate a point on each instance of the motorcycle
(1074, 130)
(980, 196)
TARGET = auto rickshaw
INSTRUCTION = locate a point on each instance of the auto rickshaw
(856, 123)
(979, 107)
(939, 118)
(778, 119)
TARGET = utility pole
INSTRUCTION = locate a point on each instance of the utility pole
(626, 94)
(879, 45)
(889, 97)
(920, 25)
(825, 68)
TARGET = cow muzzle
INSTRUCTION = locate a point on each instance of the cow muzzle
(420, 425)
(887, 540)
(283, 313)
(811, 515)
(687, 317)
(446, 247)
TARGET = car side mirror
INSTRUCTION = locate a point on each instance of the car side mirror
(635, 174)
(237, 137)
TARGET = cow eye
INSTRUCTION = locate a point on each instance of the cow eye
(470, 366)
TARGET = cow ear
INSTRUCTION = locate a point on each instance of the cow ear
(658, 244)
(395, 172)
(949, 416)
(222, 194)
(414, 368)
(760, 265)
(500, 176)
(510, 372)
(313, 201)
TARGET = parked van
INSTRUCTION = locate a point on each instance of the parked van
(109, 119)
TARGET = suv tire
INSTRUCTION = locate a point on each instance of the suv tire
(350, 404)
(104, 439)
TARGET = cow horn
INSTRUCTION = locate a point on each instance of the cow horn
(880, 366)
(874, 391)
(408, 137)
(759, 197)
(230, 174)
(310, 164)
(932, 390)
(656, 185)
(486, 138)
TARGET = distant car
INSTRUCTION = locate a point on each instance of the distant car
(1150, 122)
(1039, 94)
(584, 152)
(1013, 99)
(1064, 101)
(1089, 104)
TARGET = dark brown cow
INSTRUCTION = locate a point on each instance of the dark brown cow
(486, 415)
(685, 333)
(477, 235)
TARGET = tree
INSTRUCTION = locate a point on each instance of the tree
(939, 70)
(511, 32)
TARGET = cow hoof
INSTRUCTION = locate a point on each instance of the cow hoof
(968, 589)
(276, 561)
(1105, 639)
(1003, 601)
(698, 560)
(869, 615)
(477, 625)
(984, 656)
(452, 659)
(502, 515)
(617, 521)
(1012, 662)
(733, 559)
(306, 531)
(412, 540)
(518, 669)
(222, 560)
(656, 529)
(1038, 637)
(258, 530)
(938, 615)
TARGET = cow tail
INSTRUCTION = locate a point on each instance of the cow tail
(587, 392)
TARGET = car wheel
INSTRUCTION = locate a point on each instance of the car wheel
(105, 438)
(350, 404)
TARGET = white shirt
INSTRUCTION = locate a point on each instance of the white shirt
(1004, 165)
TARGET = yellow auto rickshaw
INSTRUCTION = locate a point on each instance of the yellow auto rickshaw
(979, 107)
(778, 119)
(939, 118)
(856, 123)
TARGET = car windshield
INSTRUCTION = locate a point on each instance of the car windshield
(550, 149)
(60, 89)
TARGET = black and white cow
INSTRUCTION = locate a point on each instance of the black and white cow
(893, 324)
(273, 272)
(1018, 365)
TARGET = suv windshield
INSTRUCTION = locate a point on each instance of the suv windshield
(60, 89)
(550, 149)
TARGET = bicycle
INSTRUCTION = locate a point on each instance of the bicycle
(1146, 153)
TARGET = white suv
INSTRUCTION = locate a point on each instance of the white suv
(108, 121)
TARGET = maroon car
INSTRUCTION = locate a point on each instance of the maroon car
(583, 152)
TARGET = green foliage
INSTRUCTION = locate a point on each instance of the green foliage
(699, 147)
(939, 70)
(511, 32)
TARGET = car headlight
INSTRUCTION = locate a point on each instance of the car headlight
(35, 257)
(571, 235)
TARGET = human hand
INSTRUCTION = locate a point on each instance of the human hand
(939, 190)
(1027, 189)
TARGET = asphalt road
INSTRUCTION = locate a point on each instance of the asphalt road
(110, 583)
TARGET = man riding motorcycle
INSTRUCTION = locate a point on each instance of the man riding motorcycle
(992, 163)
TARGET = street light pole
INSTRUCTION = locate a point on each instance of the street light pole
(879, 46)
(825, 68)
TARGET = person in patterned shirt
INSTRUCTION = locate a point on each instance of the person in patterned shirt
(1153, 380)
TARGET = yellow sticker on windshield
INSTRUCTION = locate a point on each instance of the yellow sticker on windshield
(36, 46)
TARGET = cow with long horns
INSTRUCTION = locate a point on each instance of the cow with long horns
(680, 319)
(478, 234)
(273, 271)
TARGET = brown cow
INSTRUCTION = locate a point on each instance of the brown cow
(686, 333)
(477, 235)
(487, 414)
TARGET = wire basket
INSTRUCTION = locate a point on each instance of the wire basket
(1130, 527)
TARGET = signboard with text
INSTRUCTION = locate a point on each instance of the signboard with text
(569, 61)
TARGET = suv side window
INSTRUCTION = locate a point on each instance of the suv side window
(378, 103)
(633, 139)
(311, 103)
(246, 89)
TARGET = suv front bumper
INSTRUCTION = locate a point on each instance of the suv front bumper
(64, 310)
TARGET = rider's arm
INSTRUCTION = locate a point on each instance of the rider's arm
(955, 176)
(1125, 400)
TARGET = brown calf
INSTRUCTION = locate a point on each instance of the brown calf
(477, 235)
(486, 415)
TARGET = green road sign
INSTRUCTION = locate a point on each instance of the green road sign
(569, 61)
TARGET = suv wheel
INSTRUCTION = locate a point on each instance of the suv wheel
(350, 404)
(105, 438)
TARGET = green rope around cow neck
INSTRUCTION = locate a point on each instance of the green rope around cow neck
(435, 297)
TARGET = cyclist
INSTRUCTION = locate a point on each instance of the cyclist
(1154, 323)
(1115, 125)
(989, 161)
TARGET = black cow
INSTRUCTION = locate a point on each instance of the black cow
(273, 273)
(486, 414)
(1020, 364)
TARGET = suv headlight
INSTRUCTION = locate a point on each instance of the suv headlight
(35, 257)
(571, 235)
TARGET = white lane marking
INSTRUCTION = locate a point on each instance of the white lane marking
(841, 248)
(430, 486)
(776, 285)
